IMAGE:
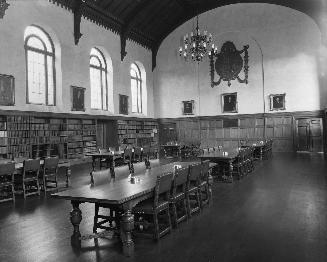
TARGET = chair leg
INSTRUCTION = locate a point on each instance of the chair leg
(95, 221)
(156, 225)
(175, 214)
(24, 190)
(13, 192)
(168, 216)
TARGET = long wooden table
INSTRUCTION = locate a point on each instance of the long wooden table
(223, 156)
(122, 193)
(258, 147)
(109, 158)
(171, 150)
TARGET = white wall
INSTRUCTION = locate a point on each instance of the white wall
(74, 60)
(289, 40)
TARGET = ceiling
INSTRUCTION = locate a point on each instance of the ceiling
(148, 22)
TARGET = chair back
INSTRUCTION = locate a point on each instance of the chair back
(100, 177)
(138, 153)
(7, 168)
(51, 165)
(154, 162)
(163, 186)
(139, 168)
(205, 170)
(180, 180)
(195, 173)
(122, 147)
(128, 153)
(122, 171)
(31, 168)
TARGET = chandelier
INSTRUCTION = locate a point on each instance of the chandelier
(196, 46)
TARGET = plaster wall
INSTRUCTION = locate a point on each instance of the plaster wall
(283, 58)
(72, 61)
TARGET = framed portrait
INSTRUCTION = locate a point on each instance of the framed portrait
(7, 90)
(277, 102)
(123, 104)
(77, 96)
(229, 103)
(188, 107)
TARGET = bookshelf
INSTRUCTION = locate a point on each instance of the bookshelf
(3, 136)
(34, 136)
(138, 133)
(18, 134)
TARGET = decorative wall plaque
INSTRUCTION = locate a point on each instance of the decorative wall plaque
(229, 63)
(123, 104)
(188, 107)
(77, 96)
(7, 90)
(229, 103)
(277, 102)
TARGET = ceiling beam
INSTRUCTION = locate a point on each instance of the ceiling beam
(128, 25)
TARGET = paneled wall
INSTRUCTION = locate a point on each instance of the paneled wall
(229, 130)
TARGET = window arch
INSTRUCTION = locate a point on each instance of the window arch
(136, 88)
(40, 66)
(98, 80)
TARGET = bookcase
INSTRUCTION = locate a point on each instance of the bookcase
(138, 133)
(33, 136)
(3, 136)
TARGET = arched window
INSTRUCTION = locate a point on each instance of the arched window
(136, 88)
(40, 66)
(98, 78)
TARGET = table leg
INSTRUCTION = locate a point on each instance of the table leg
(261, 153)
(112, 167)
(93, 163)
(126, 227)
(230, 172)
(68, 174)
(75, 219)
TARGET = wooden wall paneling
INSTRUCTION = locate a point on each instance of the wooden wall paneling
(219, 133)
(283, 145)
(234, 133)
(227, 133)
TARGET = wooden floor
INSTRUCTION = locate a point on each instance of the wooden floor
(279, 213)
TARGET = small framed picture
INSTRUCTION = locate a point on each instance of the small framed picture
(229, 103)
(7, 90)
(277, 102)
(77, 96)
(123, 104)
(188, 107)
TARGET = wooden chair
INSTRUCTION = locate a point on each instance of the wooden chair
(49, 174)
(137, 157)
(205, 194)
(139, 168)
(104, 161)
(29, 181)
(155, 210)
(99, 178)
(7, 191)
(239, 164)
(178, 196)
(193, 192)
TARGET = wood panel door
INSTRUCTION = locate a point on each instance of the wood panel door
(167, 132)
(309, 134)
(107, 134)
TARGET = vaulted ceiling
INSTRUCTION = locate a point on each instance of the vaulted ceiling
(148, 22)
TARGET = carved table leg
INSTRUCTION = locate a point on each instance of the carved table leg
(261, 153)
(75, 219)
(112, 167)
(93, 163)
(126, 227)
(230, 172)
(68, 174)
(147, 162)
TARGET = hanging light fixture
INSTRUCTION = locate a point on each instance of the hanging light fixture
(197, 45)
